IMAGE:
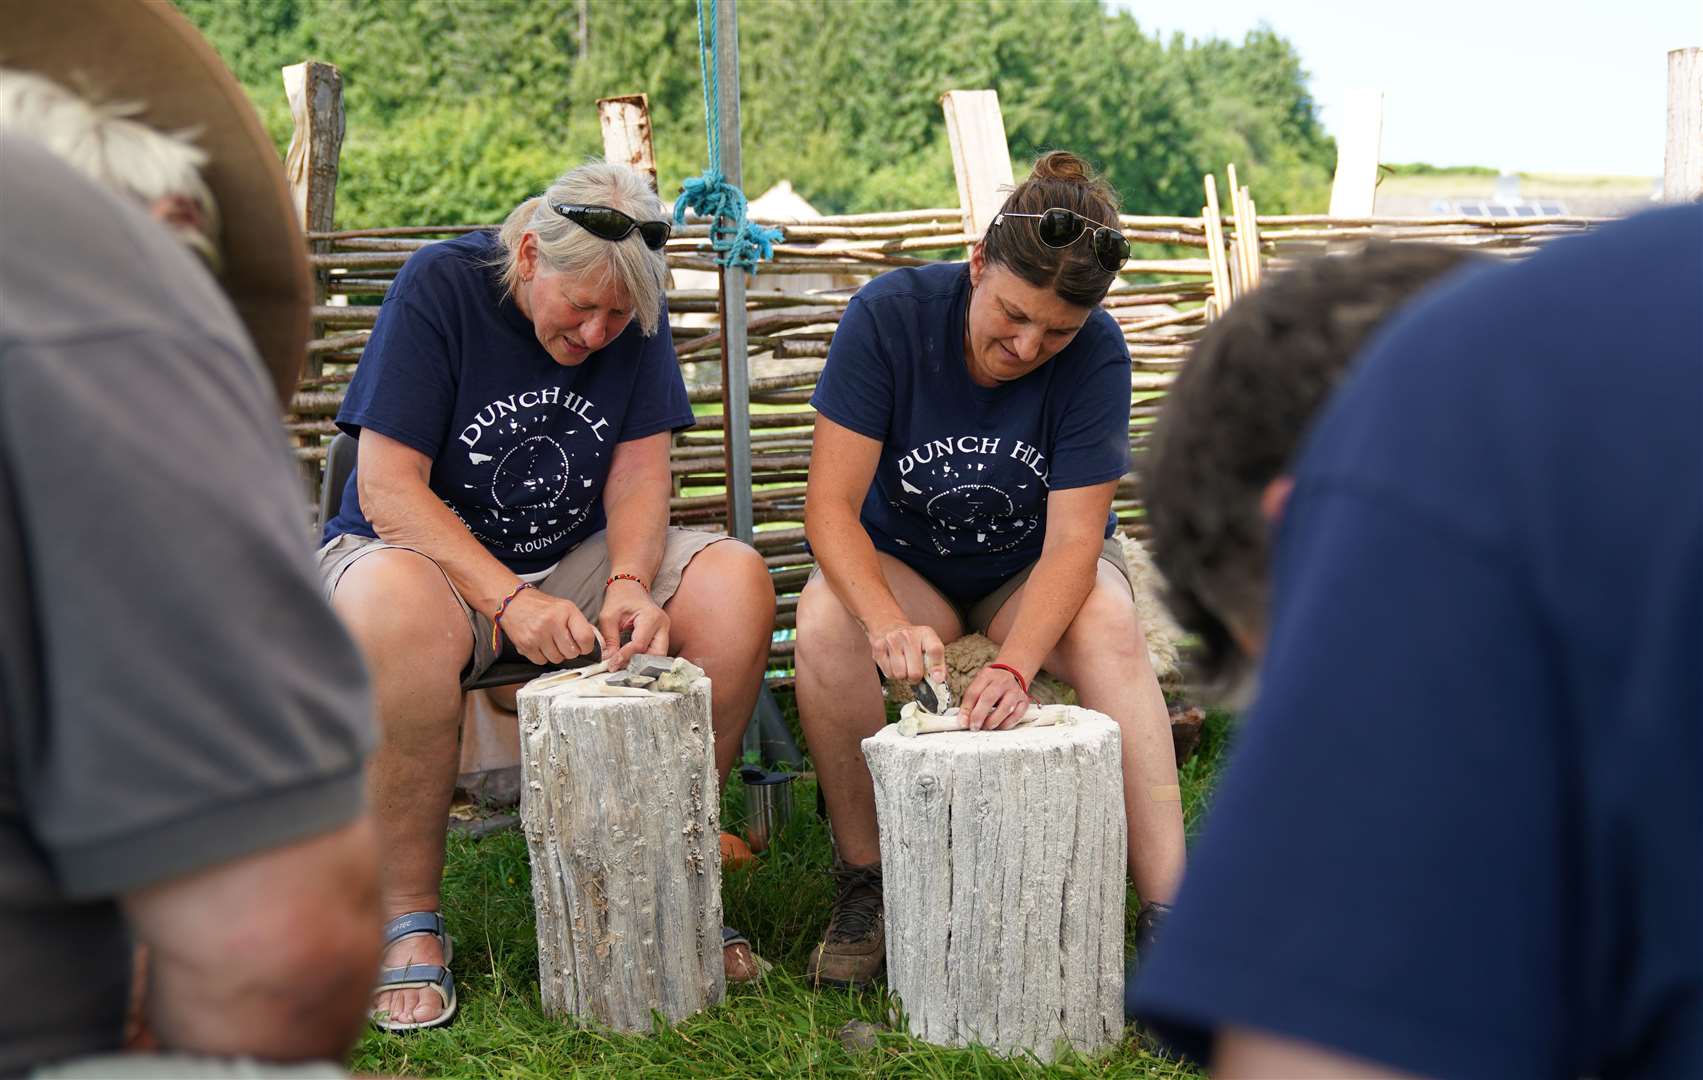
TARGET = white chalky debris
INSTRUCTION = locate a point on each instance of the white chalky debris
(643, 676)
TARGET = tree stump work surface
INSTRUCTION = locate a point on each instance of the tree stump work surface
(1003, 867)
(621, 811)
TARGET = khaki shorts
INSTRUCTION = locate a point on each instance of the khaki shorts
(579, 577)
(980, 615)
(977, 617)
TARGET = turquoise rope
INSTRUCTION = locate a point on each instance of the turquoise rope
(737, 242)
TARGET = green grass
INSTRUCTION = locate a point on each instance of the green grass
(779, 1028)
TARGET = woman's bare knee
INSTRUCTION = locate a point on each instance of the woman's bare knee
(398, 603)
(826, 628)
(726, 592)
(1105, 629)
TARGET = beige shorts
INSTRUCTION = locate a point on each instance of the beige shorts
(980, 615)
(579, 577)
(977, 617)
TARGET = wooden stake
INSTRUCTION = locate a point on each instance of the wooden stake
(1238, 250)
(1215, 247)
(626, 133)
(315, 93)
(1253, 236)
(1682, 172)
(981, 159)
(1358, 143)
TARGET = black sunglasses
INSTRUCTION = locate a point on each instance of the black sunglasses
(608, 223)
(1060, 228)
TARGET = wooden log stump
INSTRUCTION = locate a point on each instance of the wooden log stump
(1002, 860)
(622, 815)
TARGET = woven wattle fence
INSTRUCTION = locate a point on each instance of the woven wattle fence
(1161, 316)
(1162, 304)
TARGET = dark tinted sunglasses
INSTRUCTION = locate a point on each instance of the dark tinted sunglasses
(608, 223)
(1060, 228)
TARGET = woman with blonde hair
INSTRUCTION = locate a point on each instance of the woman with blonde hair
(514, 408)
(973, 424)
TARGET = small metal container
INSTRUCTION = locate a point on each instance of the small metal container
(768, 804)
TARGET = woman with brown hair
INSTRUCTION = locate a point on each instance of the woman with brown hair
(973, 425)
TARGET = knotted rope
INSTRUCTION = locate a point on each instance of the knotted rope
(737, 241)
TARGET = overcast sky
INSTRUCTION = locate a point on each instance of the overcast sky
(1575, 86)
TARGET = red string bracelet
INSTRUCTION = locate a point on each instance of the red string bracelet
(497, 619)
(634, 578)
(1015, 674)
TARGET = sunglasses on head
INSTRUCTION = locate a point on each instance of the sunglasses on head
(608, 223)
(1060, 228)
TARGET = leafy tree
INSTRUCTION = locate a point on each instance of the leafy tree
(457, 109)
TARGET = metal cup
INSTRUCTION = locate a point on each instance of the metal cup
(768, 804)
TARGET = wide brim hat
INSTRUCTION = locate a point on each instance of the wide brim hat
(148, 53)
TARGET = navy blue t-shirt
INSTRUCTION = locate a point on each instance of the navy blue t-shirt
(1462, 834)
(520, 445)
(960, 493)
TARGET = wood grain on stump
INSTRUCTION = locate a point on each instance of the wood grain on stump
(1003, 876)
(621, 810)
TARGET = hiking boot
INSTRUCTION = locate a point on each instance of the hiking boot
(854, 949)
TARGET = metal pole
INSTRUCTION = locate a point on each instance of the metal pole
(736, 385)
(766, 733)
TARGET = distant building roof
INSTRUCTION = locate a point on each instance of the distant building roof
(782, 203)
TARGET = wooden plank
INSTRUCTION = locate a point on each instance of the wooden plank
(1682, 168)
(981, 159)
(1359, 141)
(626, 133)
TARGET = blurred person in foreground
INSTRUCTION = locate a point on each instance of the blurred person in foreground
(1219, 461)
(1460, 834)
(182, 719)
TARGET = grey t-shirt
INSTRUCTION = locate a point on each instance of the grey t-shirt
(173, 692)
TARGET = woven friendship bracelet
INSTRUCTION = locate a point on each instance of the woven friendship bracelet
(1022, 683)
(634, 578)
(497, 619)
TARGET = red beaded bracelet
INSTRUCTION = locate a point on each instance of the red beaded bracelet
(1015, 674)
(634, 578)
(497, 619)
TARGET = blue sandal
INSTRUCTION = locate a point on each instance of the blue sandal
(417, 976)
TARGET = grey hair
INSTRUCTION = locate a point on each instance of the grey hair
(99, 140)
(566, 248)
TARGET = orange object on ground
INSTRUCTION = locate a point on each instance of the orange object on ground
(734, 851)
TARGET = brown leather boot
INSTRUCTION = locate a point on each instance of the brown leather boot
(854, 949)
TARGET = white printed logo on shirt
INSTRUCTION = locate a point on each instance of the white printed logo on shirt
(956, 485)
(524, 449)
